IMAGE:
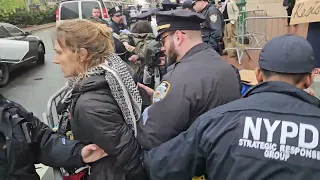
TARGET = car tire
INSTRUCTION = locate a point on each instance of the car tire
(40, 54)
(4, 78)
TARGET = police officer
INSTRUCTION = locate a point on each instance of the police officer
(271, 133)
(196, 81)
(213, 27)
(116, 19)
(25, 141)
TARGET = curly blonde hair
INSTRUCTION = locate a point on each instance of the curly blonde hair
(96, 38)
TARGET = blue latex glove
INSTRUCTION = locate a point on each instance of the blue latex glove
(125, 31)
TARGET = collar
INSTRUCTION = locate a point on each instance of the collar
(281, 87)
(195, 49)
(205, 8)
(118, 24)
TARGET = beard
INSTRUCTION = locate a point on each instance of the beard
(172, 54)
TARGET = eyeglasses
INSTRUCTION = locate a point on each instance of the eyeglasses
(162, 40)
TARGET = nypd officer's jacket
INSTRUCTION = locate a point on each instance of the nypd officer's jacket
(116, 27)
(212, 29)
(200, 81)
(19, 152)
(271, 133)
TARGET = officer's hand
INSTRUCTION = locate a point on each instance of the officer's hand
(92, 153)
(147, 89)
(133, 58)
(129, 47)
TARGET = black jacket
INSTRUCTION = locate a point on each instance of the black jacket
(117, 27)
(271, 133)
(213, 27)
(120, 49)
(98, 119)
(48, 148)
(199, 82)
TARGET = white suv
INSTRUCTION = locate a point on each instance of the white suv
(79, 9)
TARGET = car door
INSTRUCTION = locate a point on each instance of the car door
(23, 40)
(11, 51)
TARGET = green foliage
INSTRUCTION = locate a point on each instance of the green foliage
(23, 18)
(11, 5)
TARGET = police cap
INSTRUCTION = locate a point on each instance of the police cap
(115, 11)
(147, 15)
(187, 4)
(180, 19)
(287, 54)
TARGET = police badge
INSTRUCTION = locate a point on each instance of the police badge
(213, 18)
(161, 91)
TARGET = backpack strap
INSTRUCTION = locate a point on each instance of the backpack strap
(1, 113)
(73, 103)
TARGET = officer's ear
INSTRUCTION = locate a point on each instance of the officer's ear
(309, 79)
(259, 74)
(178, 37)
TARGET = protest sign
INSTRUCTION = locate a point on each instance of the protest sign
(305, 11)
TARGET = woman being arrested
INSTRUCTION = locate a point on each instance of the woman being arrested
(104, 101)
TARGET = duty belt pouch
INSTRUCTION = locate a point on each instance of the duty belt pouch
(28, 132)
(22, 119)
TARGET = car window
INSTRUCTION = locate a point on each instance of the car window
(87, 6)
(108, 5)
(14, 31)
(3, 32)
(69, 10)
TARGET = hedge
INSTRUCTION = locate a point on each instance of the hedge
(23, 18)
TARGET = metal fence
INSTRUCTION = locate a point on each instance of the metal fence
(259, 31)
(51, 116)
(253, 30)
(244, 29)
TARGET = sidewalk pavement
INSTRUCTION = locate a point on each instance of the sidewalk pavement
(39, 27)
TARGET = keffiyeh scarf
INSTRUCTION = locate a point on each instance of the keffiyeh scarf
(123, 88)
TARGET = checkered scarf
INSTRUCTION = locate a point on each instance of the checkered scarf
(123, 88)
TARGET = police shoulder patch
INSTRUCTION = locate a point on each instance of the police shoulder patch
(161, 91)
(213, 18)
